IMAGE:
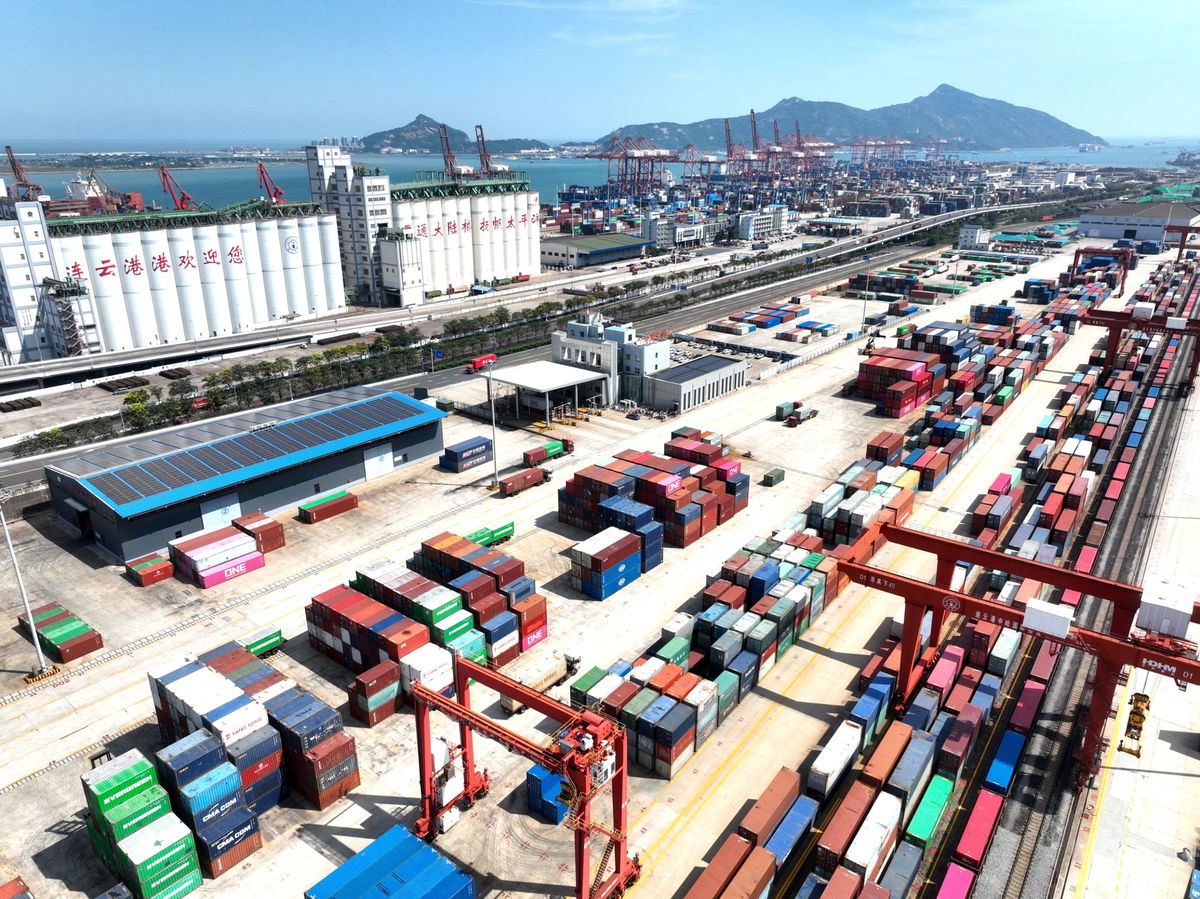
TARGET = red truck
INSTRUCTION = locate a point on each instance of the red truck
(479, 363)
(515, 483)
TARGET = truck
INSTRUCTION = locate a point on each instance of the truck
(538, 672)
(801, 414)
(551, 450)
(515, 483)
(760, 245)
(479, 363)
(492, 536)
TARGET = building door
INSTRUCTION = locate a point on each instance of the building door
(1130, 233)
(219, 512)
(377, 460)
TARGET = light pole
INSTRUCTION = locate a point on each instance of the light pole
(42, 667)
(495, 455)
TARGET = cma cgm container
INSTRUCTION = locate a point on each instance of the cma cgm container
(396, 858)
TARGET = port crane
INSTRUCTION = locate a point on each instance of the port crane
(1113, 650)
(1118, 323)
(267, 183)
(1126, 259)
(485, 158)
(179, 197)
(587, 749)
(22, 187)
(449, 162)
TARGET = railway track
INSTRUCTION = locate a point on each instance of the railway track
(1122, 557)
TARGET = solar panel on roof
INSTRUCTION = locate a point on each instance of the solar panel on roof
(218, 462)
(345, 424)
(356, 414)
(140, 480)
(398, 410)
(191, 466)
(299, 434)
(114, 488)
(258, 446)
(320, 428)
(167, 473)
(238, 453)
(278, 439)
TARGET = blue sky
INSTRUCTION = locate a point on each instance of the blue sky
(558, 69)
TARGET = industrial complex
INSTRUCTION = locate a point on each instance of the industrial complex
(824, 529)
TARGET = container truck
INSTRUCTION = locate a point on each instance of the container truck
(541, 673)
(546, 451)
(515, 483)
(479, 363)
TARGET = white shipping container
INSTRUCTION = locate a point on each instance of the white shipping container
(1055, 620)
(274, 690)
(582, 552)
(703, 698)
(1003, 652)
(603, 687)
(641, 674)
(431, 665)
(873, 844)
(240, 723)
(833, 761)
(679, 626)
(1166, 609)
(504, 644)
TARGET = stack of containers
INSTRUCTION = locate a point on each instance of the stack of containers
(266, 531)
(207, 793)
(358, 632)
(542, 791)
(150, 569)
(373, 693)
(318, 754)
(502, 638)
(62, 636)
(579, 499)
(213, 557)
(466, 454)
(396, 858)
(327, 506)
(431, 666)
(133, 832)
(603, 564)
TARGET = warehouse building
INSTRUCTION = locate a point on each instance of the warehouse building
(592, 249)
(682, 388)
(134, 499)
(92, 284)
(1137, 221)
(463, 231)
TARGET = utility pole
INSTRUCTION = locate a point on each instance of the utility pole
(42, 667)
(495, 453)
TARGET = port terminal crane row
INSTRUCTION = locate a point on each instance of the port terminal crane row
(587, 749)
(180, 198)
(1113, 650)
(22, 188)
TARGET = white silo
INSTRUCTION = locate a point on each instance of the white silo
(254, 276)
(437, 245)
(163, 295)
(521, 234)
(135, 287)
(496, 235)
(233, 269)
(442, 234)
(69, 259)
(293, 267)
(212, 280)
(272, 267)
(105, 284)
(481, 245)
(508, 233)
(185, 263)
(310, 256)
(335, 286)
(461, 241)
(534, 247)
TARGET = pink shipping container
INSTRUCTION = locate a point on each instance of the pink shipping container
(528, 641)
(1028, 704)
(230, 570)
(942, 679)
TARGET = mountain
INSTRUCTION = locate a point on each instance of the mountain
(947, 113)
(422, 134)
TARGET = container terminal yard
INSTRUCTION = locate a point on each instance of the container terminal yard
(934, 639)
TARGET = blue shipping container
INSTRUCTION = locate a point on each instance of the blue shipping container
(186, 759)
(384, 861)
(1004, 765)
(796, 823)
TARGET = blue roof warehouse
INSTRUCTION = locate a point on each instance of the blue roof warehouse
(133, 499)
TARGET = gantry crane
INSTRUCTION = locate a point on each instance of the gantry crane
(449, 161)
(1118, 323)
(1126, 257)
(1113, 650)
(22, 187)
(1185, 233)
(267, 183)
(179, 197)
(589, 751)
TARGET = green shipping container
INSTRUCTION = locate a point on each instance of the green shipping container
(453, 625)
(432, 607)
(159, 848)
(801, 627)
(469, 645)
(929, 813)
(482, 536)
(812, 560)
(727, 692)
(120, 786)
(312, 504)
(48, 613)
(54, 632)
(632, 710)
(263, 641)
(553, 448)
(785, 642)
(101, 847)
(131, 816)
(503, 532)
(382, 698)
(248, 668)
(583, 683)
(676, 651)
(179, 880)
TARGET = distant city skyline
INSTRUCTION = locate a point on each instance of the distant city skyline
(574, 69)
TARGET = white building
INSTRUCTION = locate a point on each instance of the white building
(1137, 221)
(464, 232)
(690, 384)
(757, 225)
(973, 237)
(121, 282)
(614, 352)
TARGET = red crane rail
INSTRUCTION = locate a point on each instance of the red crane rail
(1112, 650)
(589, 751)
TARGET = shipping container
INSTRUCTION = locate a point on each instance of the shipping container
(929, 812)
(794, 827)
(981, 825)
(901, 872)
(764, 816)
(834, 760)
(397, 857)
(957, 883)
(883, 760)
(718, 873)
(842, 827)
(872, 846)
(1004, 764)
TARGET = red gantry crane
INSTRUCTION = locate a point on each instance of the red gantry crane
(1159, 653)
(22, 187)
(267, 183)
(1125, 256)
(179, 197)
(588, 750)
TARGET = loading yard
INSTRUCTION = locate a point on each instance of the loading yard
(673, 825)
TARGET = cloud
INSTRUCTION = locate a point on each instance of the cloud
(630, 39)
(655, 9)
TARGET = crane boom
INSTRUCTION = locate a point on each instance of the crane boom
(265, 181)
(448, 160)
(22, 188)
(728, 141)
(755, 143)
(179, 197)
(485, 158)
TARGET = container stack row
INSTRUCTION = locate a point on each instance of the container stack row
(63, 636)
(608, 562)
(212, 557)
(466, 454)
(398, 859)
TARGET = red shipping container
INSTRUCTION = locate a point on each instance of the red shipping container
(836, 837)
(333, 794)
(719, 872)
(262, 768)
(216, 867)
(764, 816)
(666, 676)
(329, 753)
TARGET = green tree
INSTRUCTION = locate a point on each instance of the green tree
(138, 397)
(181, 389)
(501, 315)
(156, 391)
(658, 280)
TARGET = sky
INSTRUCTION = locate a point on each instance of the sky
(574, 69)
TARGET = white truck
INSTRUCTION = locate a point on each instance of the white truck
(540, 672)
